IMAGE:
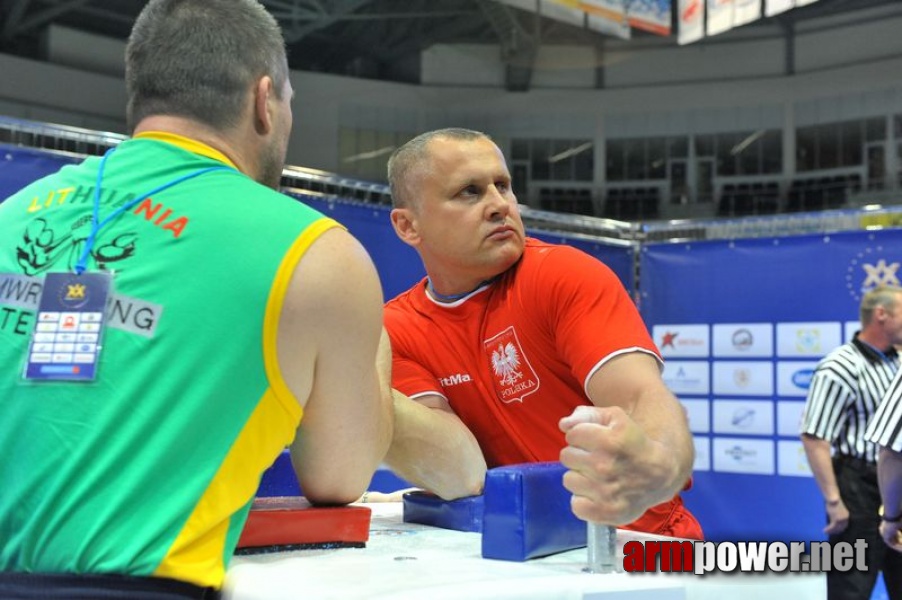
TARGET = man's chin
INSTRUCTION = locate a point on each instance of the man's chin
(509, 254)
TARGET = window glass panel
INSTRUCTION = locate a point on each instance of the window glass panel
(806, 148)
(875, 129)
(635, 159)
(828, 146)
(657, 158)
(772, 152)
(747, 151)
(678, 147)
(541, 170)
(584, 164)
(519, 149)
(704, 145)
(562, 160)
(851, 141)
(726, 161)
(615, 168)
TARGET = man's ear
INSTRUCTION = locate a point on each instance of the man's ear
(263, 116)
(404, 222)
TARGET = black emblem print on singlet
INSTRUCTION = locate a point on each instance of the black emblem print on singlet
(42, 247)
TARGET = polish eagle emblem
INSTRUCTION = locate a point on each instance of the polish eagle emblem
(506, 363)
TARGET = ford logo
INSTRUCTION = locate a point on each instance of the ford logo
(802, 378)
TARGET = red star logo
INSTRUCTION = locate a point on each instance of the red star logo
(668, 340)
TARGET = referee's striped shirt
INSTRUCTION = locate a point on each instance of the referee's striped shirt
(847, 386)
(885, 428)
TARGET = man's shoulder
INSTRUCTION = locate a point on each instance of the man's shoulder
(405, 302)
(538, 252)
(562, 263)
(842, 358)
(537, 247)
(844, 351)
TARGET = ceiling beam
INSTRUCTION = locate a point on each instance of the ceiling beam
(14, 16)
(340, 8)
(518, 47)
(45, 17)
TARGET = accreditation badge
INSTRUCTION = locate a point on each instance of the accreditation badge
(66, 341)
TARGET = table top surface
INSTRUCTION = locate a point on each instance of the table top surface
(409, 560)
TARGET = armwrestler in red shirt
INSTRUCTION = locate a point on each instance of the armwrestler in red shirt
(513, 350)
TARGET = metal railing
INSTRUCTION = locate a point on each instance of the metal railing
(300, 180)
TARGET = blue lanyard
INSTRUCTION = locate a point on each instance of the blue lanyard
(96, 224)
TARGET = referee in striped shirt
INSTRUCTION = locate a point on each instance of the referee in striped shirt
(885, 430)
(847, 386)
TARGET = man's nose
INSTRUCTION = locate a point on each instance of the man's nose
(499, 204)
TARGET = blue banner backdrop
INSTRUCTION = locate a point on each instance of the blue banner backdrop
(741, 325)
(21, 166)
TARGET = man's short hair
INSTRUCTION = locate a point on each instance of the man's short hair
(198, 59)
(409, 159)
(882, 295)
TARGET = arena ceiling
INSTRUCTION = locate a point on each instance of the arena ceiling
(382, 39)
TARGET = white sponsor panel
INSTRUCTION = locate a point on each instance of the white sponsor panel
(745, 417)
(559, 12)
(850, 328)
(691, 21)
(697, 413)
(743, 340)
(682, 340)
(687, 377)
(739, 455)
(702, 453)
(746, 11)
(607, 17)
(794, 377)
(789, 417)
(791, 459)
(743, 378)
(618, 29)
(775, 7)
(807, 339)
(720, 16)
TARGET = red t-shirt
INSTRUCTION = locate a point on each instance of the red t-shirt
(514, 357)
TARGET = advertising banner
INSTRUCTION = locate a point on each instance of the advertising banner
(741, 325)
(746, 11)
(690, 21)
(720, 16)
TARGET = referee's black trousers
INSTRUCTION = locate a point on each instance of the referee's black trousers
(857, 481)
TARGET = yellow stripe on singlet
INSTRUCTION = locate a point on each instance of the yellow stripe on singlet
(198, 553)
(186, 144)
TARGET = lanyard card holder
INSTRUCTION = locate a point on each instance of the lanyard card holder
(65, 344)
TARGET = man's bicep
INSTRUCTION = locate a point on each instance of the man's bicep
(334, 318)
(331, 309)
(622, 379)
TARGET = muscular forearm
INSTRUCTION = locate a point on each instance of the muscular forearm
(663, 420)
(889, 472)
(818, 453)
(433, 449)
